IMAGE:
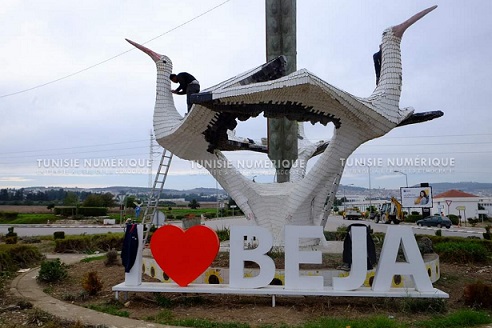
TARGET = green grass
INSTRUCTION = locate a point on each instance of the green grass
(93, 258)
(464, 252)
(458, 319)
(166, 317)
(110, 308)
(185, 211)
(30, 218)
(372, 322)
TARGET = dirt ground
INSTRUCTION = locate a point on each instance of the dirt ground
(253, 310)
(258, 310)
(24, 209)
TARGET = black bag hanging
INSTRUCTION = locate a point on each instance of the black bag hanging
(371, 248)
(130, 247)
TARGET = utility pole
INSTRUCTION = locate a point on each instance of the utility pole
(281, 40)
(151, 157)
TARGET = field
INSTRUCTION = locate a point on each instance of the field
(457, 271)
(24, 209)
(250, 311)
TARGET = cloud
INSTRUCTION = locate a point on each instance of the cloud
(110, 102)
(14, 179)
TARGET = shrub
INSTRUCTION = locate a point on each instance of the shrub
(464, 252)
(93, 211)
(478, 295)
(224, 233)
(11, 240)
(413, 217)
(111, 258)
(336, 235)
(9, 215)
(11, 236)
(455, 220)
(65, 211)
(13, 257)
(89, 243)
(473, 221)
(91, 283)
(59, 235)
(52, 271)
(31, 240)
(486, 234)
(425, 245)
(439, 232)
(81, 211)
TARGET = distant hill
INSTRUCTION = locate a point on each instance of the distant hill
(136, 190)
(476, 188)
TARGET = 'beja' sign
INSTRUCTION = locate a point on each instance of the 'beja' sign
(183, 255)
(387, 268)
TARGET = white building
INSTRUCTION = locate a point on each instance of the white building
(486, 204)
(456, 202)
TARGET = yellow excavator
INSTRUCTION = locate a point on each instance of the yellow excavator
(390, 212)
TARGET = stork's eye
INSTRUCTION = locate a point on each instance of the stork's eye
(164, 61)
(384, 33)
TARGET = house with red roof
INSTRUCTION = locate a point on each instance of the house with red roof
(456, 202)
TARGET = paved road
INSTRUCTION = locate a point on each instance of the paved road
(333, 223)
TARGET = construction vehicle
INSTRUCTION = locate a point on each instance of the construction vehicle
(390, 212)
(352, 214)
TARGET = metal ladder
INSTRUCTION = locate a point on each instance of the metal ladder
(155, 195)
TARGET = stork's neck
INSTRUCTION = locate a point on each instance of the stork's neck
(165, 114)
(163, 87)
(390, 81)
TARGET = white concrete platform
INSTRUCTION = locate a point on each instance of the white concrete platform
(156, 287)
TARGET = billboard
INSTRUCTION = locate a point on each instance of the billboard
(416, 197)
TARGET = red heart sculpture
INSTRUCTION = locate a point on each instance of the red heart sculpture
(184, 255)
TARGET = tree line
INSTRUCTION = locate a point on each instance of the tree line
(56, 197)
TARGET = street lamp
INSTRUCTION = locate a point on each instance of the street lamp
(217, 198)
(406, 177)
(406, 183)
(370, 191)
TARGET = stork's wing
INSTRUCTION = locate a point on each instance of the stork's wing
(218, 132)
(300, 96)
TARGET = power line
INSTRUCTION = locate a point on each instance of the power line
(84, 158)
(68, 148)
(442, 135)
(432, 144)
(73, 153)
(114, 57)
(5, 156)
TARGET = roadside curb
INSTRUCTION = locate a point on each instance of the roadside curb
(450, 230)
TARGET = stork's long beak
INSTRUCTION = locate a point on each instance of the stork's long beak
(154, 55)
(398, 30)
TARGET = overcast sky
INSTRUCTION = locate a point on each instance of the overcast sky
(72, 88)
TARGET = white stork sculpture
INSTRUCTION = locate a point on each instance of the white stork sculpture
(202, 134)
